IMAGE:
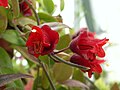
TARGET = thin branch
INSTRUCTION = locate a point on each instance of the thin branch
(36, 15)
(21, 33)
(48, 76)
(68, 63)
(62, 50)
(96, 88)
(53, 58)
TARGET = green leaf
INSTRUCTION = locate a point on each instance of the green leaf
(23, 21)
(7, 68)
(44, 81)
(13, 37)
(4, 59)
(66, 39)
(101, 85)
(61, 5)
(62, 87)
(3, 19)
(78, 75)
(46, 17)
(15, 7)
(37, 83)
(7, 78)
(62, 72)
(49, 6)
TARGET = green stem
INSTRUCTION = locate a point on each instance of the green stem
(62, 50)
(21, 33)
(68, 63)
(36, 15)
(48, 76)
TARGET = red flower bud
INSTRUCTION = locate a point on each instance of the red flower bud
(42, 41)
(86, 44)
(4, 3)
(25, 9)
(93, 65)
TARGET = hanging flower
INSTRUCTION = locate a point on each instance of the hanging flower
(42, 41)
(4, 3)
(25, 9)
(93, 65)
(86, 44)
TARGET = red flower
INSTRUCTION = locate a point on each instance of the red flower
(93, 65)
(86, 44)
(24, 8)
(42, 41)
(4, 3)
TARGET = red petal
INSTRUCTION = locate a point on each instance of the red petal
(97, 68)
(90, 73)
(53, 35)
(100, 52)
(103, 41)
(4, 3)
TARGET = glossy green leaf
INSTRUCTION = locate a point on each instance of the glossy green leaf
(37, 83)
(101, 85)
(62, 87)
(10, 15)
(78, 75)
(44, 81)
(46, 17)
(5, 61)
(66, 39)
(13, 37)
(3, 19)
(7, 68)
(13, 88)
(23, 21)
(62, 72)
(49, 6)
(15, 7)
(7, 78)
(61, 5)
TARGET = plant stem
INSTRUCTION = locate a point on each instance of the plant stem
(48, 76)
(96, 88)
(36, 15)
(68, 63)
(21, 33)
(61, 50)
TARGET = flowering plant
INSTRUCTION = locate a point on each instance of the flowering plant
(36, 53)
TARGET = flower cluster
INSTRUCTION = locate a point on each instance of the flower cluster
(86, 49)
